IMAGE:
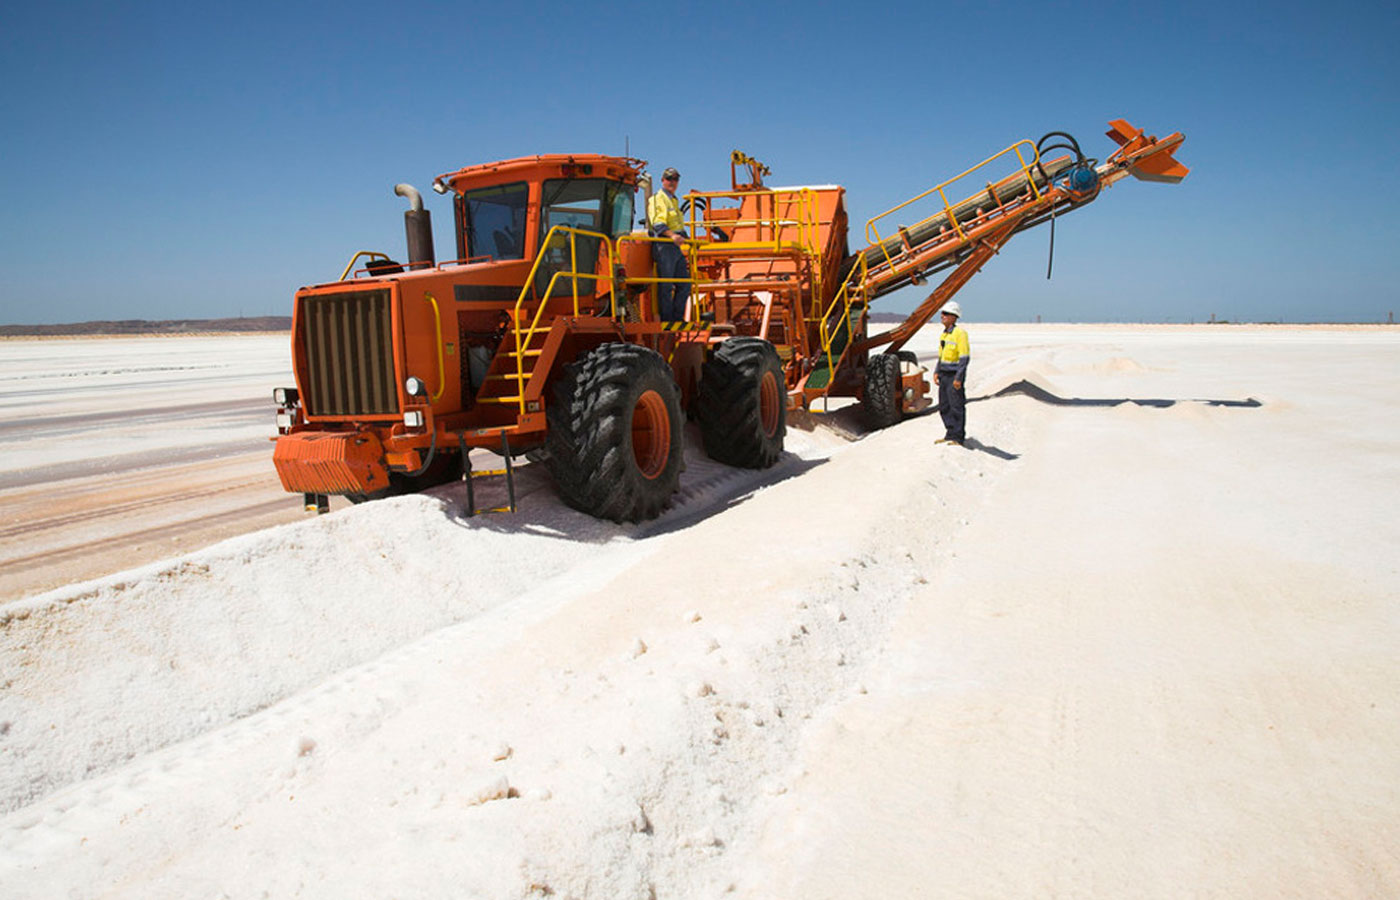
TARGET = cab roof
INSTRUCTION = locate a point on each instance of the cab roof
(553, 165)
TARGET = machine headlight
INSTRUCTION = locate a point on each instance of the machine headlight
(415, 387)
(284, 421)
(413, 418)
(285, 396)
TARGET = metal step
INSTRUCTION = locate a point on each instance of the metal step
(470, 476)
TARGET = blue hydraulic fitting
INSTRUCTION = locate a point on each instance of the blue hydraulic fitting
(1082, 179)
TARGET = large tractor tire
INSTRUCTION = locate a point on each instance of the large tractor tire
(614, 440)
(742, 404)
(882, 402)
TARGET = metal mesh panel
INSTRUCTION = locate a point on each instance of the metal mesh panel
(349, 354)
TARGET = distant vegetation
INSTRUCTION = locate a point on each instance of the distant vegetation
(146, 326)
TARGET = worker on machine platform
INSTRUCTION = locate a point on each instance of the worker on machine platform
(665, 221)
(951, 375)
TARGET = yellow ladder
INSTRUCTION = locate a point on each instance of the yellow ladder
(470, 476)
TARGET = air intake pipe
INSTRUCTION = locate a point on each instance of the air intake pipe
(418, 226)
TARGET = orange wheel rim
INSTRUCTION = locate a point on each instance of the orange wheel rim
(651, 434)
(770, 404)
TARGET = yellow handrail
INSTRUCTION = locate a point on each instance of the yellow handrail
(635, 238)
(437, 325)
(788, 208)
(605, 243)
(806, 220)
(948, 209)
(372, 254)
(844, 296)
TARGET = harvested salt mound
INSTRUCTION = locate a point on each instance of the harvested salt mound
(221, 633)
(1120, 365)
(218, 634)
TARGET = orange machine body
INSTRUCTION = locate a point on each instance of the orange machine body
(403, 368)
(357, 342)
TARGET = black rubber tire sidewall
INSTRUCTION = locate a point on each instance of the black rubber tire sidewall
(728, 405)
(590, 433)
(881, 402)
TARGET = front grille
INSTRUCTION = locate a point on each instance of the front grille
(347, 340)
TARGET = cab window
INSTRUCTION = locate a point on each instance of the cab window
(621, 212)
(588, 204)
(494, 220)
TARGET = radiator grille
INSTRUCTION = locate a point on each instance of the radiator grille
(349, 354)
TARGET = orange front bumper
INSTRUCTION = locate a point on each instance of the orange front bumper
(315, 462)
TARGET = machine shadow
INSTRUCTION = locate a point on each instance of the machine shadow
(548, 516)
(727, 496)
(1036, 392)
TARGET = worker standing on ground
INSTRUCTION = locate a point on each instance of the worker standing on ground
(951, 375)
(664, 220)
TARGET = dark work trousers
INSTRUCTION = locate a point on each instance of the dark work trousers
(670, 263)
(952, 405)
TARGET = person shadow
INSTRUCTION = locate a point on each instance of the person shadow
(974, 444)
(970, 443)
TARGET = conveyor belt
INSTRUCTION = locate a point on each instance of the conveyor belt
(934, 228)
(883, 287)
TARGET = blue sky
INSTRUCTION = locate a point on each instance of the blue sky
(167, 161)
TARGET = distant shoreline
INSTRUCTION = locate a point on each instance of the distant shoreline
(152, 328)
(171, 335)
(263, 325)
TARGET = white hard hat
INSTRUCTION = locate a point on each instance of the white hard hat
(952, 307)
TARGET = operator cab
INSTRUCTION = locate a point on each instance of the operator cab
(505, 210)
(504, 214)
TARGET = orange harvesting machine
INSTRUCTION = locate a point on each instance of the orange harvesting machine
(542, 336)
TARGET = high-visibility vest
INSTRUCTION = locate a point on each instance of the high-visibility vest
(664, 214)
(953, 352)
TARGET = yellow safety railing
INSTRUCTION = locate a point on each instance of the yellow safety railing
(637, 238)
(372, 254)
(949, 209)
(852, 290)
(789, 209)
(522, 340)
(805, 218)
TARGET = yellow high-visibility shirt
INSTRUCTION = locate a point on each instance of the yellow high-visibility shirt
(953, 352)
(663, 212)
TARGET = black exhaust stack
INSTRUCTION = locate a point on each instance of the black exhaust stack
(418, 226)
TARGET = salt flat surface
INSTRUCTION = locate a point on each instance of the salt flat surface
(1136, 639)
(139, 394)
(124, 451)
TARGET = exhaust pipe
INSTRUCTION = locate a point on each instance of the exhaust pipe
(418, 226)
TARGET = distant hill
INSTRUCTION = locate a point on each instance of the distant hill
(146, 326)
